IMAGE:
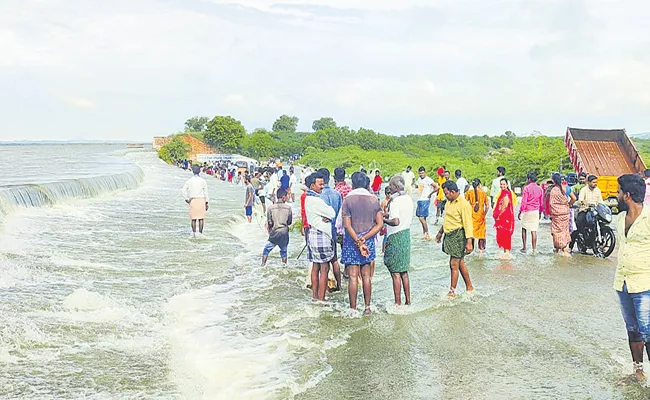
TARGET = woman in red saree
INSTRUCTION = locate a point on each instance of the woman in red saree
(504, 219)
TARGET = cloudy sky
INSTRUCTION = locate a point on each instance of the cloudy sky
(132, 69)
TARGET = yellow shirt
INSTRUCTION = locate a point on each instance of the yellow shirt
(633, 254)
(458, 214)
(441, 192)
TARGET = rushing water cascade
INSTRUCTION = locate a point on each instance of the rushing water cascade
(48, 194)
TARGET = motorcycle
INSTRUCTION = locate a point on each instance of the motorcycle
(596, 234)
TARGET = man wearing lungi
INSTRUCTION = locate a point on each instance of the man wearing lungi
(320, 246)
(458, 234)
(195, 192)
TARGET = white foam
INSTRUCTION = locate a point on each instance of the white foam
(13, 273)
(210, 359)
(85, 300)
(83, 305)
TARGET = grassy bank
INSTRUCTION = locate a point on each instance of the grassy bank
(542, 155)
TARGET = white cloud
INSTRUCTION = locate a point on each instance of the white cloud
(79, 102)
(433, 65)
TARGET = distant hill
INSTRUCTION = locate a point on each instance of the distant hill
(645, 135)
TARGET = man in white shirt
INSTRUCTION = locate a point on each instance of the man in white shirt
(320, 246)
(408, 177)
(496, 184)
(293, 185)
(426, 188)
(397, 255)
(589, 195)
(461, 182)
(195, 192)
(273, 184)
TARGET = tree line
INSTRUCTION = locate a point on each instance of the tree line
(330, 145)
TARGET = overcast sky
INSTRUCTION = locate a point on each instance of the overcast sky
(132, 69)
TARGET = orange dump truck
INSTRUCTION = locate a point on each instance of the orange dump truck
(606, 153)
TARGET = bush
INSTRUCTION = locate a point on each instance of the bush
(176, 149)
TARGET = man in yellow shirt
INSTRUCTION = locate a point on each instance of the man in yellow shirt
(458, 234)
(632, 279)
(440, 206)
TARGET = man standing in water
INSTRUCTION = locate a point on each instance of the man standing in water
(195, 192)
(496, 184)
(530, 211)
(397, 256)
(304, 231)
(632, 279)
(320, 248)
(426, 187)
(250, 199)
(461, 182)
(408, 177)
(279, 218)
(362, 220)
(333, 199)
(443, 176)
(341, 186)
(258, 185)
(458, 230)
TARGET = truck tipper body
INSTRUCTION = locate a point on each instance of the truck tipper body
(606, 153)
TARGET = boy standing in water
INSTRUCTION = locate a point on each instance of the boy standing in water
(250, 199)
(279, 219)
(195, 192)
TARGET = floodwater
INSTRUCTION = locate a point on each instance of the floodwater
(104, 295)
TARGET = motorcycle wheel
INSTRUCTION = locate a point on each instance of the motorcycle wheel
(605, 246)
(580, 242)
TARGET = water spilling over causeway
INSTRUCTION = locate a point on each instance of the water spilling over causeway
(107, 297)
(49, 194)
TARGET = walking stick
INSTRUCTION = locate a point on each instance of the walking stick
(301, 251)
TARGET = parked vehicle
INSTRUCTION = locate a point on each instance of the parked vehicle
(596, 234)
(606, 153)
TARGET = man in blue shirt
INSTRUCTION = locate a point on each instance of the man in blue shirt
(284, 180)
(333, 199)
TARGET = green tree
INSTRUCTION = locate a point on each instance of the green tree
(259, 144)
(225, 133)
(323, 123)
(196, 124)
(176, 149)
(285, 123)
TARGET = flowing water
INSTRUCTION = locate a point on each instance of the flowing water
(104, 295)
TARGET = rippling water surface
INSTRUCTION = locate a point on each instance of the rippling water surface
(107, 297)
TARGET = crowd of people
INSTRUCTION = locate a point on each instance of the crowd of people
(353, 218)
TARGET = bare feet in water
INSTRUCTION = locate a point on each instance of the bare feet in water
(367, 311)
(637, 377)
